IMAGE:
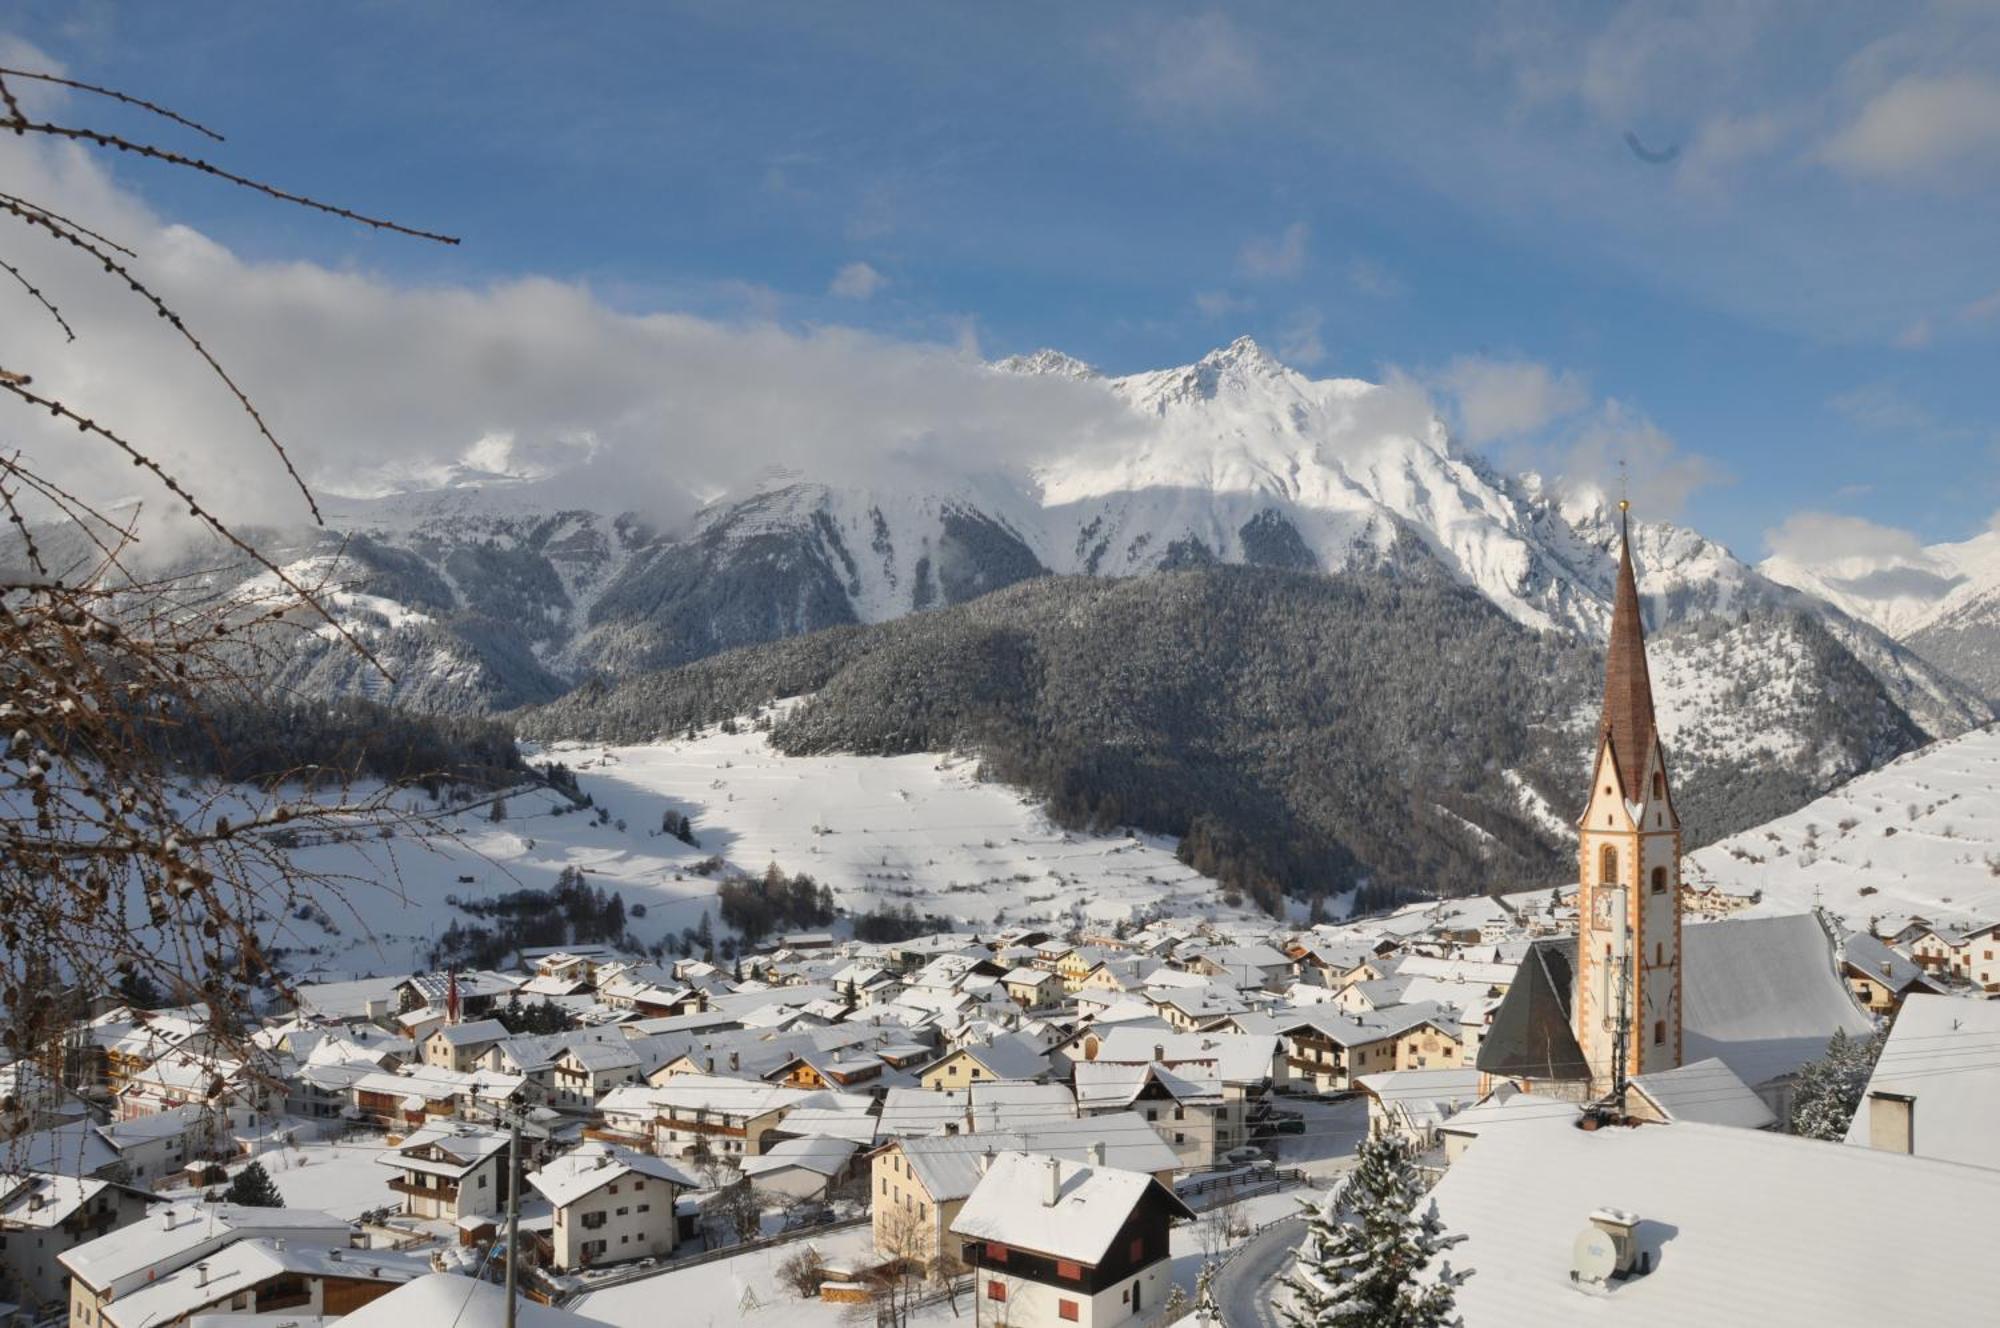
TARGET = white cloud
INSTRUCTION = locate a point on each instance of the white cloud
(857, 281)
(1920, 128)
(1266, 258)
(1814, 538)
(1497, 399)
(1618, 450)
(364, 380)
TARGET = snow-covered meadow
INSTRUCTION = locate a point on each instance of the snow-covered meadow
(1921, 835)
(879, 831)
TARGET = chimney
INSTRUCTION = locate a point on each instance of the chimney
(167, 1219)
(201, 1273)
(278, 1244)
(333, 1256)
(1159, 1051)
(985, 1161)
(735, 1061)
(1097, 1152)
(1054, 1194)
(1892, 1122)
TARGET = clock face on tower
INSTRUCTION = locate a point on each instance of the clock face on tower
(1600, 909)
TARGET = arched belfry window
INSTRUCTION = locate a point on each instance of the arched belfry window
(1607, 865)
(1659, 880)
(1659, 784)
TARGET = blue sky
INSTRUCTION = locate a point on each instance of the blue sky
(1796, 313)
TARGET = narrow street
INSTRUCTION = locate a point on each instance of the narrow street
(1246, 1287)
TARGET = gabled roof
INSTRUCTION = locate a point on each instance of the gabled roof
(1739, 1226)
(1092, 1205)
(1943, 1051)
(1190, 1083)
(1531, 1037)
(1707, 1091)
(820, 1155)
(589, 1167)
(1879, 962)
(467, 1035)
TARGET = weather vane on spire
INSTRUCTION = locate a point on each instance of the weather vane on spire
(1624, 487)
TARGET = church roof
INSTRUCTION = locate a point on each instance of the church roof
(1628, 688)
(1762, 995)
(1531, 1036)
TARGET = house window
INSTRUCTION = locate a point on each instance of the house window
(996, 1291)
(1607, 864)
(1138, 1250)
(1659, 953)
(1659, 880)
(1659, 1032)
(1069, 1269)
(1066, 1309)
(996, 1254)
(482, 1182)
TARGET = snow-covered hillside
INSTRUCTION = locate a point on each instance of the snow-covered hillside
(1921, 835)
(921, 830)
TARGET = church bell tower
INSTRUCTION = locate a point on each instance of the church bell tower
(1628, 979)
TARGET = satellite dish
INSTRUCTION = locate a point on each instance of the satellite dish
(1594, 1257)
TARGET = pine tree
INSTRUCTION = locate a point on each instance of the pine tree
(1829, 1090)
(253, 1188)
(1366, 1250)
(499, 812)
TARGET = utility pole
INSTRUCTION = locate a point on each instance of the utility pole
(513, 1206)
(1620, 1044)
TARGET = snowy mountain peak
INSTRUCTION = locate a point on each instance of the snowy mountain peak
(1047, 363)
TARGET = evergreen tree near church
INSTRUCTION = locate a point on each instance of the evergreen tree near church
(1367, 1249)
(1829, 1089)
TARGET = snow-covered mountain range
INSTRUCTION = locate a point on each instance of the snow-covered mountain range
(489, 594)
(1943, 601)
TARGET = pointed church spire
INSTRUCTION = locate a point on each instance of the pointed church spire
(1628, 689)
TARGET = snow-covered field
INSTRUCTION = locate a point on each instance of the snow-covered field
(1921, 835)
(921, 830)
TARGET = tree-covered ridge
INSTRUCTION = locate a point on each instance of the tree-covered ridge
(330, 742)
(1299, 733)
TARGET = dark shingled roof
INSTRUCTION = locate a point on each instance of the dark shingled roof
(1628, 688)
(1531, 1036)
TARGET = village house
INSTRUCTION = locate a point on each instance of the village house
(43, 1217)
(449, 1171)
(265, 1276)
(1878, 976)
(1052, 1242)
(130, 1258)
(1327, 1050)
(1935, 1090)
(1033, 988)
(1009, 1059)
(460, 1046)
(801, 1168)
(1184, 1104)
(728, 1117)
(586, 1071)
(611, 1204)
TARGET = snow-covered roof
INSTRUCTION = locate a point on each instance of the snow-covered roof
(468, 1144)
(1707, 1091)
(447, 1298)
(472, 1034)
(174, 1233)
(244, 1264)
(1119, 1083)
(1239, 1058)
(1011, 1205)
(1424, 1097)
(588, 1167)
(826, 1122)
(820, 1155)
(1741, 1227)
(1944, 1052)
(36, 1199)
(1763, 994)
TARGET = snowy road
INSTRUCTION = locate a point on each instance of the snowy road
(1245, 1288)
